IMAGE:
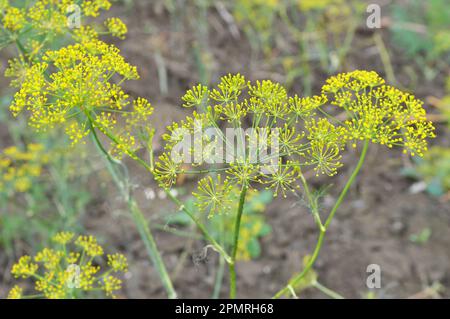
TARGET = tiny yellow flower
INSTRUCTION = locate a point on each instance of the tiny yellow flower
(116, 27)
(24, 267)
(69, 269)
(14, 19)
(90, 245)
(111, 284)
(15, 293)
(63, 238)
(118, 262)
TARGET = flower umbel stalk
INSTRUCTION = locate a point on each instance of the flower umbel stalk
(217, 247)
(237, 227)
(323, 230)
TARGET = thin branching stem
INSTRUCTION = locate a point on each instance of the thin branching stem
(172, 197)
(293, 282)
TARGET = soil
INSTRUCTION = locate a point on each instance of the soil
(373, 226)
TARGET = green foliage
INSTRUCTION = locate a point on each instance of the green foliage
(53, 200)
(434, 170)
(444, 104)
(422, 237)
(422, 27)
(257, 19)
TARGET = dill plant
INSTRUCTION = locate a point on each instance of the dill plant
(77, 87)
(307, 136)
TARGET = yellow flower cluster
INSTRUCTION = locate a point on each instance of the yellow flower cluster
(14, 19)
(92, 7)
(251, 227)
(74, 88)
(309, 5)
(332, 16)
(34, 27)
(89, 245)
(15, 293)
(116, 27)
(379, 113)
(18, 169)
(213, 195)
(61, 273)
(305, 132)
(267, 106)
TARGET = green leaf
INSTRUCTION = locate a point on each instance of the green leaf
(254, 248)
(422, 237)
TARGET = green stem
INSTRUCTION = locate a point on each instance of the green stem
(293, 282)
(219, 279)
(385, 58)
(349, 183)
(237, 227)
(139, 220)
(327, 291)
(152, 248)
(214, 243)
(221, 269)
(312, 203)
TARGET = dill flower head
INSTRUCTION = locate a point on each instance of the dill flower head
(69, 269)
(20, 168)
(332, 17)
(49, 16)
(116, 27)
(37, 25)
(257, 17)
(92, 7)
(281, 139)
(15, 293)
(75, 88)
(275, 137)
(213, 196)
(379, 113)
(14, 19)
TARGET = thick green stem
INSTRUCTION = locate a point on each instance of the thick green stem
(237, 227)
(233, 289)
(323, 230)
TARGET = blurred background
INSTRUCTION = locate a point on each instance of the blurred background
(397, 215)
